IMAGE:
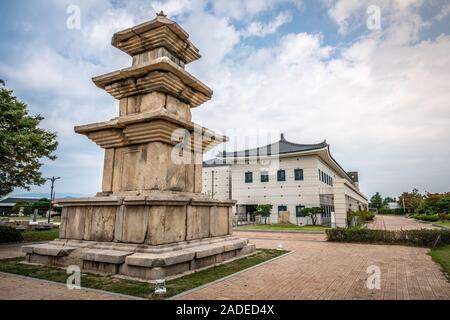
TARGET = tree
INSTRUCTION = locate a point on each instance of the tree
(42, 205)
(27, 209)
(312, 213)
(410, 200)
(388, 200)
(264, 210)
(22, 145)
(376, 201)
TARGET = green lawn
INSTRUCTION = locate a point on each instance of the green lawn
(445, 224)
(45, 235)
(141, 289)
(441, 255)
(283, 227)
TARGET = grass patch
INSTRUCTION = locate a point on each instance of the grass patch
(441, 255)
(445, 224)
(141, 289)
(283, 227)
(44, 235)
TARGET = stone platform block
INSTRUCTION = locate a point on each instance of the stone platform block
(105, 256)
(48, 250)
(159, 260)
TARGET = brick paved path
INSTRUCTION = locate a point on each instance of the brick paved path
(18, 288)
(323, 270)
(398, 223)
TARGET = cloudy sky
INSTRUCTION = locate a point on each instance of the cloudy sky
(314, 70)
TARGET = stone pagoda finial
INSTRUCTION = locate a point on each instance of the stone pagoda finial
(161, 14)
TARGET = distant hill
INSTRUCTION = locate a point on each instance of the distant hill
(47, 195)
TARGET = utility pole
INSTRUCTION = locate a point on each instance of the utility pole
(52, 195)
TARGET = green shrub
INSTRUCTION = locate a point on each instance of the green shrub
(8, 234)
(421, 238)
(426, 217)
(388, 211)
(362, 217)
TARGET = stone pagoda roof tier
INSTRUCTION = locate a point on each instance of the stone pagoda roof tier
(157, 33)
(147, 127)
(160, 74)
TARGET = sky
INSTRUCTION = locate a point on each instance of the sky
(378, 90)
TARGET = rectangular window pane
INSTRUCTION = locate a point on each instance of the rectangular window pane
(264, 176)
(281, 175)
(282, 208)
(248, 177)
(299, 211)
(298, 175)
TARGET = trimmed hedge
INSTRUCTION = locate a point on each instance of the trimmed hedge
(8, 234)
(427, 217)
(387, 211)
(421, 238)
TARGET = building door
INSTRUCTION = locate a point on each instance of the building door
(249, 210)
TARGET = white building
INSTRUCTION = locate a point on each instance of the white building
(288, 176)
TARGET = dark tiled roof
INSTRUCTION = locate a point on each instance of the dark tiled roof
(214, 163)
(281, 147)
(15, 200)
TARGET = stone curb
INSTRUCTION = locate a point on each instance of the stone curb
(279, 231)
(82, 288)
(227, 277)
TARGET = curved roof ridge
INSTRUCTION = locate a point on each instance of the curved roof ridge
(280, 147)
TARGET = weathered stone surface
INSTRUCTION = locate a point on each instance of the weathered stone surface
(198, 222)
(135, 221)
(178, 108)
(208, 250)
(234, 245)
(219, 221)
(166, 224)
(28, 249)
(159, 260)
(74, 227)
(103, 223)
(108, 170)
(105, 256)
(249, 248)
(100, 267)
(51, 250)
(155, 101)
(225, 256)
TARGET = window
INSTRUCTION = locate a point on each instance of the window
(282, 208)
(299, 211)
(264, 176)
(298, 174)
(281, 175)
(248, 177)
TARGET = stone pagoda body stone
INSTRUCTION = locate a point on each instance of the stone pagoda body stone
(150, 220)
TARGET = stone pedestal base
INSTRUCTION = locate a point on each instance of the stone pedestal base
(139, 261)
(151, 236)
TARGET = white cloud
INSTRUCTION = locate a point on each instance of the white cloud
(260, 29)
(444, 13)
(247, 9)
(381, 101)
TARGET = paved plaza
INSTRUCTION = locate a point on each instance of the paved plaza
(315, 269)
(322, 270)
(398, 223)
